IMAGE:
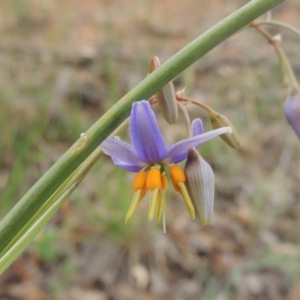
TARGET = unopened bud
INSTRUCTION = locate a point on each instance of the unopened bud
(200, 182)
(292, 112)
(197, 127)
(165, 97)
(218, 121)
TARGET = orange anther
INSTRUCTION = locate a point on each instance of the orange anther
(153, 179)
(163, 181)
(139, 181)
(175, 185)
(177, 175)
(143, 193)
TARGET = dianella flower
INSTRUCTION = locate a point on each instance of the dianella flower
(292, 112)
(150, 157)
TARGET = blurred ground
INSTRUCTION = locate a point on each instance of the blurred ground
(62, 64)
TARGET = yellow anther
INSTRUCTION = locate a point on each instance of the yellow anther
(139, 181)
(153, 179)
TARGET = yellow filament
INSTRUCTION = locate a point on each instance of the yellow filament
(136, 199)
(139, 181)
(164, 215)
(153, 179)
(153, 197)
(161, 198)
(160, 205)
(187, 200)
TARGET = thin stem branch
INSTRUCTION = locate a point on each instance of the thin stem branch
(186, 118)
(287, 70)
(279, 24)
(205, 107)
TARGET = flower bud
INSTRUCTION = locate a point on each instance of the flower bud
(292, 112)
(197, 127)
(167, 103)
(165, 97)
(218, 121)
(200, 182)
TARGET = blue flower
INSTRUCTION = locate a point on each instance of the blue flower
(150, 156)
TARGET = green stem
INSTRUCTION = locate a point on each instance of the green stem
(23, 241)
(76, 177)
(280, 24)
(34, 199)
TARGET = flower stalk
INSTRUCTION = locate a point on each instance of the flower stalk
(289, 77)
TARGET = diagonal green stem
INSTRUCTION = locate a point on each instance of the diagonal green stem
(28, 231)
(75, 178)
(23, 241)
(34, 199)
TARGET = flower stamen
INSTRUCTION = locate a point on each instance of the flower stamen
(153, 184)
(153, 178)
(139, 181)
(161, 197)
(139, 192)
(178, 180)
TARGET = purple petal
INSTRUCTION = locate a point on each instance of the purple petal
(197, 127)
(122, 154)
(179, 150)
(125, 166)
(292, 112)
(145, 134)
